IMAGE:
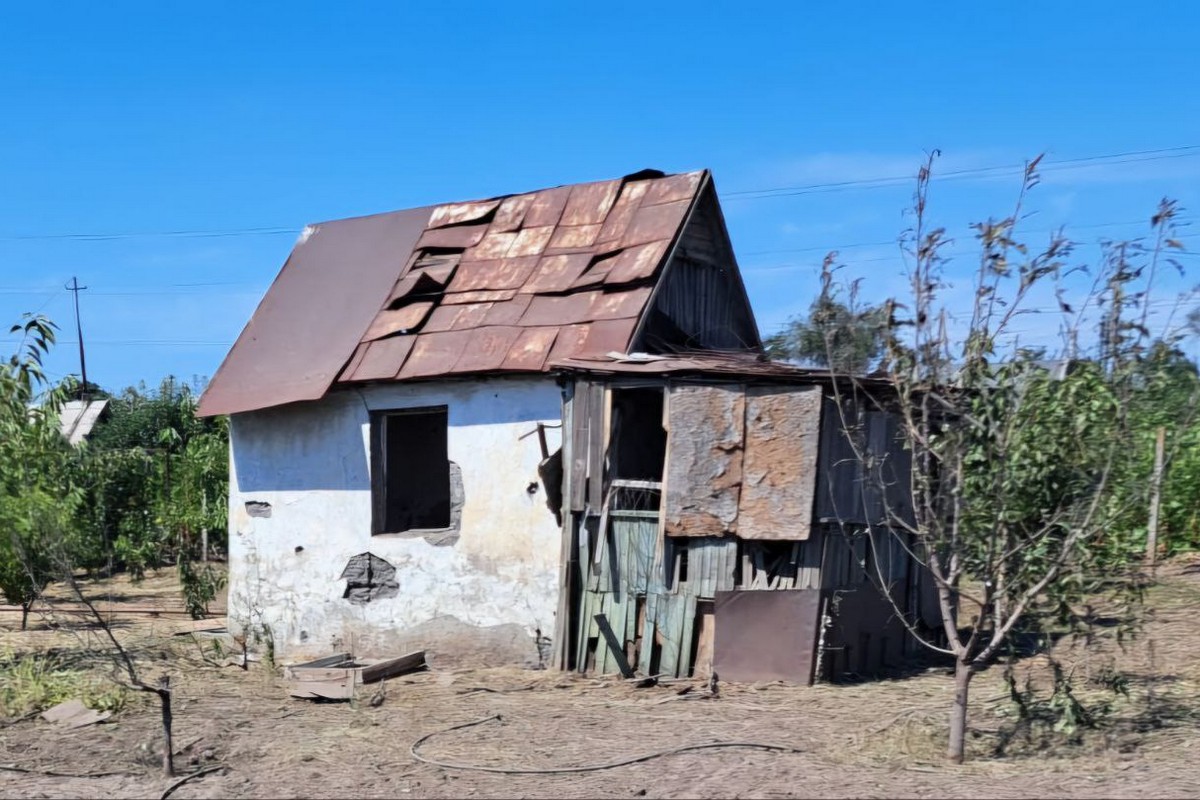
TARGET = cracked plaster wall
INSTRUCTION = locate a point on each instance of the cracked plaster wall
(482, 599)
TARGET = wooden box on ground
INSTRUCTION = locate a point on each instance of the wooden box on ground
(336, 677)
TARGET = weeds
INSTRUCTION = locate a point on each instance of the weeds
(33, 682)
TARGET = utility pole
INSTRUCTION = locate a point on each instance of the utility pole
(75, 288)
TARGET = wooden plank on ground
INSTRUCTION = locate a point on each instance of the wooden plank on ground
(390, 668)
(614, 646)
(706, 627)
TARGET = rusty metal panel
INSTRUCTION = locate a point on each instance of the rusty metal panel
(408, 318)
(530, 350)
(488, 349)
(456, 236)
(654, 223)
(556, 273)
(486, 296)
(508, 273)
(559, 309)
(508, 312)
(315, 313)
(530, 241)
(570, 340)
(779, 464)
(383, 359)
(766, 636)
(459, 213)
(619, 304)
(511, 214)
(493, 246)
(705, 434)
(603, 336)
(547, 206)
(589, 203)
(623, 211)
(672, 188)
(637, 263)
(573, 237)
(434, 353)
(360, 352)
(456, 317)
(425, 282)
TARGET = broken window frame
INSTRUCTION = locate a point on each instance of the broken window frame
(379, 471)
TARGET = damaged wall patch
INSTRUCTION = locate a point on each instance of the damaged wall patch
(369, 577)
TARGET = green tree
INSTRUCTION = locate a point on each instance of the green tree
(844, 336)
(1023, 482)
(36, 498)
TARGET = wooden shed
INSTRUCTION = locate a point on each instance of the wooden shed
(725, 513)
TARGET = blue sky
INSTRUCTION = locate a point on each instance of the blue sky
(138, 121)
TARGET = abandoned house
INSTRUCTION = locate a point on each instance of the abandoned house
(540, 429)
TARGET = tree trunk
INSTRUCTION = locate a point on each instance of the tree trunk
(24, 615)
(164, 698)
(958, 712)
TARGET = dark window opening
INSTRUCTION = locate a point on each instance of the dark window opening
(410, 470)
(639, 441)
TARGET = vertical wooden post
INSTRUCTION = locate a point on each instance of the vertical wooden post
(1155, 494)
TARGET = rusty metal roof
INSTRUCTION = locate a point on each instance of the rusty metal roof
(508, 284)
(533, 278)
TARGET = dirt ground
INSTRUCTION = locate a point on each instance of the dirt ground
(875, 739)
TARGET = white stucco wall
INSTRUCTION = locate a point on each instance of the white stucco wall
(311, 463)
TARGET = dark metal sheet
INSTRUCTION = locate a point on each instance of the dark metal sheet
(637, 263)
(488, 349)
(590, 203)
(508, 273)
(407, 318)
(434, 354)
(315, 313)
(383, 359)
(556, 273)
(653, 223)
(766, 635)
(530, 350)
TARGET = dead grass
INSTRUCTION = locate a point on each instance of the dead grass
(881, 739)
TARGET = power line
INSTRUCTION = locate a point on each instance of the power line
(1183, 151)
(1124, 157)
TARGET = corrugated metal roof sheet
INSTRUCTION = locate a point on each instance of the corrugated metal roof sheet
(77, 418)
(506, 284)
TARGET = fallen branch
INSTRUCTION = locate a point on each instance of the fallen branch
(186, 778)
(567, 770)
